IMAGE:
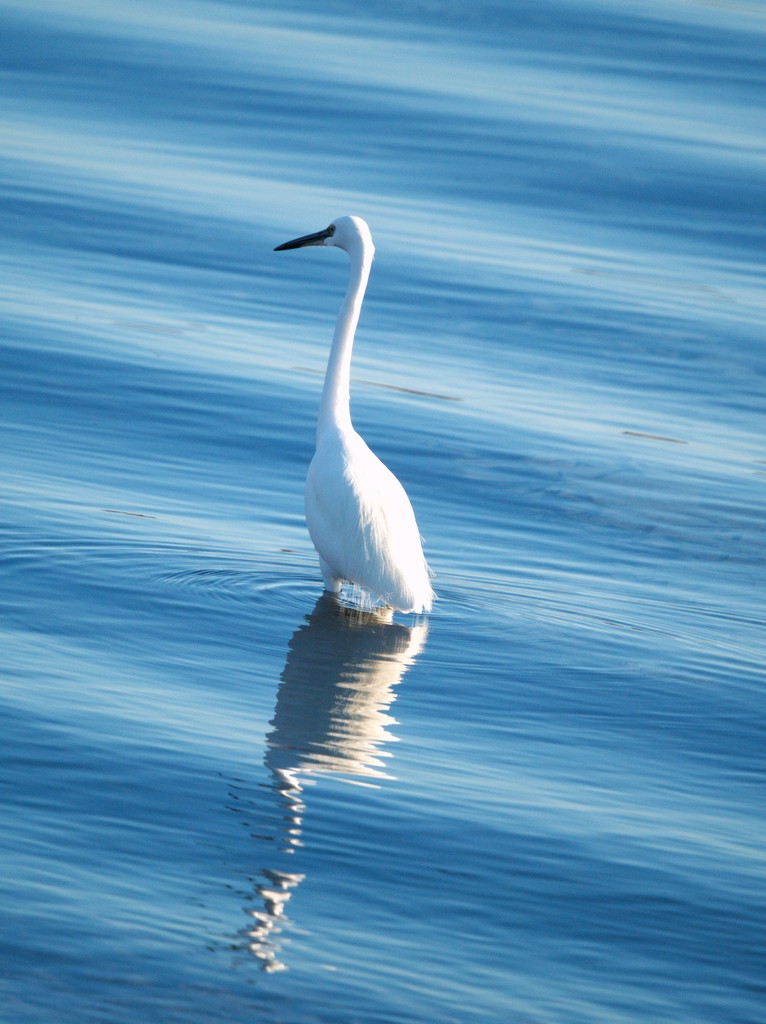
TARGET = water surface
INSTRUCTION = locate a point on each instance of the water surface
(225, 798)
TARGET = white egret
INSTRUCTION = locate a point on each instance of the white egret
(358, 514)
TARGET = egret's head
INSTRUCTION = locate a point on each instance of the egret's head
(349, 233)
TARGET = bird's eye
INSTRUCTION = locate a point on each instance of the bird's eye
(331, 230)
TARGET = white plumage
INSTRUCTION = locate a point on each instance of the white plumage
(358, 514)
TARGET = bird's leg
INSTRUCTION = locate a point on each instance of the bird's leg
(331, 581)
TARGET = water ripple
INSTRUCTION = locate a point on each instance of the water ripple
(285, 588)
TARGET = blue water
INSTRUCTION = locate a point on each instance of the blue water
(223, 798)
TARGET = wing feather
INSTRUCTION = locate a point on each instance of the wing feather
(362, 524)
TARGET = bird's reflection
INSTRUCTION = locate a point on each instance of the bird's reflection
(332, 716)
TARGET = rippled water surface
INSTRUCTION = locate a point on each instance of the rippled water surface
(226, 799)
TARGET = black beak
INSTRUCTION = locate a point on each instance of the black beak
(316, 239)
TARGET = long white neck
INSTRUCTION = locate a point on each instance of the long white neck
(334, 409)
